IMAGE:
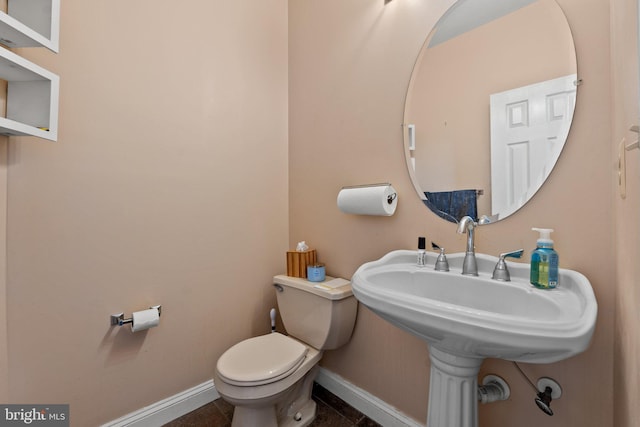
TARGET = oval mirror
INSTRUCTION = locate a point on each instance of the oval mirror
(489, 106)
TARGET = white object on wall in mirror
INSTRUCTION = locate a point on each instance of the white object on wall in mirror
(635, 144)
(411, 129)
(622, 169)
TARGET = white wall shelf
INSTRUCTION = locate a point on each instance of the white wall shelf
(31, 23)
(32, 92)
(32, 98)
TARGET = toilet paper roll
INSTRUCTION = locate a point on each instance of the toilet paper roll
(368, 200)
(145, 319)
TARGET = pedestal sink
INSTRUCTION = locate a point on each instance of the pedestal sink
(465, 319)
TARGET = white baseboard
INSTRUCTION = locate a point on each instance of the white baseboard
(169, 409)
(182, 403)
(374, 408)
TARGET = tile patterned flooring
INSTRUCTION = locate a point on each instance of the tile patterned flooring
(331, 412)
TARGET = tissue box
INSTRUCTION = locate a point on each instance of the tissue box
(297, 262)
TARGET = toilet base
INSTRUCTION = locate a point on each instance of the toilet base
(266, 416)
(292, 407)
(303, 417)
(247, 416)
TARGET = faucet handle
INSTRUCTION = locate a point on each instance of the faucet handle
(441, 263)
(501, 272)
(512, 254)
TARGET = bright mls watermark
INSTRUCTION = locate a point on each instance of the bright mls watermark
(34, 415)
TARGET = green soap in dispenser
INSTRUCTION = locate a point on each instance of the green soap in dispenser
(544, 261)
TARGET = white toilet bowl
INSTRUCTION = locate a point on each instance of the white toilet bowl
(269, 378)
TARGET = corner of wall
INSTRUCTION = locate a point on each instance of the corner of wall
(4, 339)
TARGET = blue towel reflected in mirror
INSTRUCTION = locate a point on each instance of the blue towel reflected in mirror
(453, 205)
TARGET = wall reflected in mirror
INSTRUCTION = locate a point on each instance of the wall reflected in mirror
(489, 106)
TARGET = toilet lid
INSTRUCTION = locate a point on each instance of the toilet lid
(261, 360)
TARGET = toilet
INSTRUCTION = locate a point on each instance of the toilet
(269, 378)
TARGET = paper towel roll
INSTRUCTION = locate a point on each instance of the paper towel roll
(145, 319)
(379, 199)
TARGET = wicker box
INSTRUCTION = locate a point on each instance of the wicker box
(297, 262)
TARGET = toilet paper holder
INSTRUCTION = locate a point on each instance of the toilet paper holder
(119, 320)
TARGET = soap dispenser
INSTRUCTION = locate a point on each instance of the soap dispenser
(544, 261)
(422, 253)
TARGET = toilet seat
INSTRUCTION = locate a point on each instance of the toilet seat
(261, 360)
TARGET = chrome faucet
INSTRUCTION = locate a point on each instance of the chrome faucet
(469, 265)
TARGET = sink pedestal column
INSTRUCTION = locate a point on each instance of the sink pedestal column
(453, 390)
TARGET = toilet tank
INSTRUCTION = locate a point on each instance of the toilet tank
(318, 314)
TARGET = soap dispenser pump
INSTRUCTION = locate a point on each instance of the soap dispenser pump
(544, 261)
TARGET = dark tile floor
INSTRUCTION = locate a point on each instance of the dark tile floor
(331, 412)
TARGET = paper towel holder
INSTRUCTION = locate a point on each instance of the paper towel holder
(390, 198)
(119, 320)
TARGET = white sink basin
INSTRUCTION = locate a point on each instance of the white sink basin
(480, 317)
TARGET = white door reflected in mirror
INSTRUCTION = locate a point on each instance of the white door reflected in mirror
(529, 125)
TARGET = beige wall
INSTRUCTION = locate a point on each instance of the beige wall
(159, 191)
(625, 113)
(4, 353)
(168, 185)
(347, 89)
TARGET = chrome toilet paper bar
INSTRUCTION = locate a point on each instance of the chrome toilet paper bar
(119, 320)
